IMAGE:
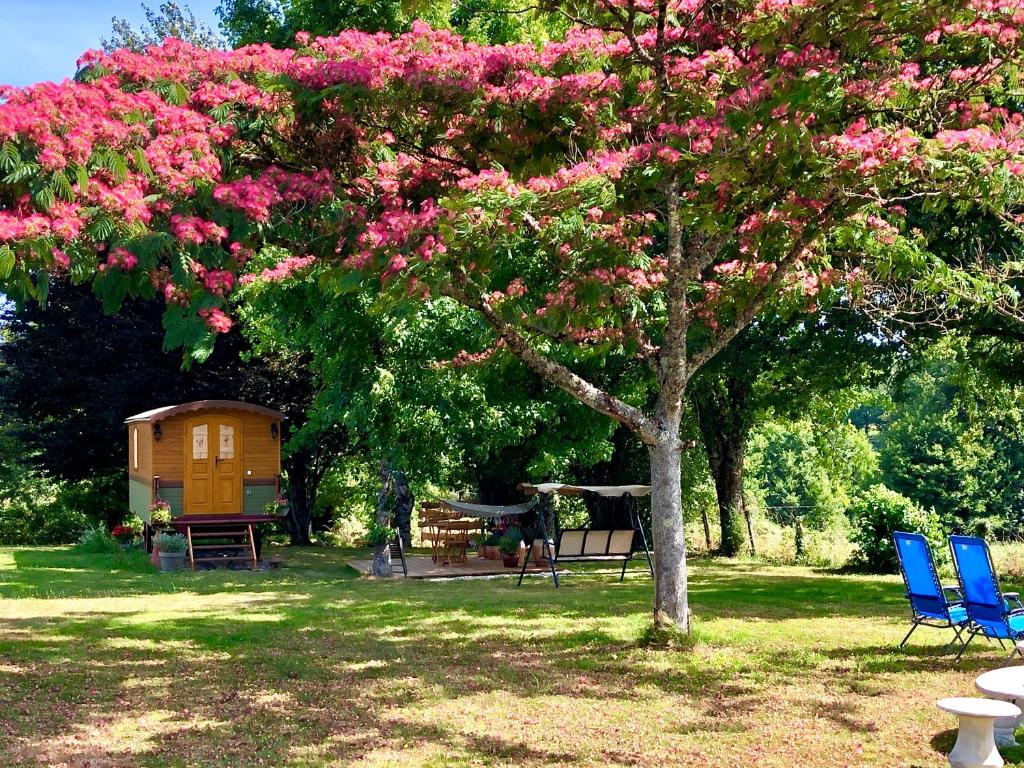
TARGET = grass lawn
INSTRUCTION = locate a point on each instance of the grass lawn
(104, 662)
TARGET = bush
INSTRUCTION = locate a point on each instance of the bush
(876, 514)
(33, 510)
(348, 531)
(98, 541)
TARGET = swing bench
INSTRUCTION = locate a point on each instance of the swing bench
(589, 545)
(586, 545)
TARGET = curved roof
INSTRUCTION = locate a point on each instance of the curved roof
(159, 414)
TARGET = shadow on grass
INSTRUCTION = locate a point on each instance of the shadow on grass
(288, 666)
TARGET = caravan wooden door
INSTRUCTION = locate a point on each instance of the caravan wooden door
(213, 465)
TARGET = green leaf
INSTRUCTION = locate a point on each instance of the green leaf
(82, 176)
(62, 186)
(43, 288)
(10, 157)
(101, 228)
(21, 173)
(45, 198)
(139, 155)
(7, 261)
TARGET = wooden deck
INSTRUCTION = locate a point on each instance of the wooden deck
(422, 567)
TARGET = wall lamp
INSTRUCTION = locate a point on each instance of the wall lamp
(273, 430)
(157, 432)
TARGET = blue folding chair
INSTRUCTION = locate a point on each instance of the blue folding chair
(932, 604)
(994, 614)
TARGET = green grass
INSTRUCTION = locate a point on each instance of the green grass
(105, 663)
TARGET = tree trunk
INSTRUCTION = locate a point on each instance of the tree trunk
(301, 498)
(722, 418)
(670, 600)
(382, 516)
(707, 526)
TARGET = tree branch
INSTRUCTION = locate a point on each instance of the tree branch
(556, 373)
(749, 312)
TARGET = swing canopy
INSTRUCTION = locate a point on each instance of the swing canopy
(608, 491)
(489, 511)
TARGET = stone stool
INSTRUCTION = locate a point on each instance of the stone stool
(975, 742)
(1005, 684)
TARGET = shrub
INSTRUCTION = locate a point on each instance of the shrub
(876, 514)
(33, 511)
(98, 541)
(347, 531)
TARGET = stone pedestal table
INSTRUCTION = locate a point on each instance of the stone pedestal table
(1005, 684)
(975, 742)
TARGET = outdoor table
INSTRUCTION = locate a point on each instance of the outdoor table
(975, 744)
(1005, 684)
(455, 534)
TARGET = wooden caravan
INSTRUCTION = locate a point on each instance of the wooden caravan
(217, 464)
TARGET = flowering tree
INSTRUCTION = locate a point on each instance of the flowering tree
(648, 186)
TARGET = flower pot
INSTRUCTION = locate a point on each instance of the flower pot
(171, 561)
(154, 556)
(491, 552)
(538, 552)
(510, 561)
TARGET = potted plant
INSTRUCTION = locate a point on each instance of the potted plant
(277, 508)
(159, 513)
(490, 547)
(539, 553)
(510, 544)
(172, 548)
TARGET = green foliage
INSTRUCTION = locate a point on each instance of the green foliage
(35, 508)
(735, 534)
(390, 393)
(170, 542)
(379, 535)
(809, 468)
(510, 541)
(278, 21)
(950, 439)
(876, 515)
(97, 540)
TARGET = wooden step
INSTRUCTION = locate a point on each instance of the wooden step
(240, 539)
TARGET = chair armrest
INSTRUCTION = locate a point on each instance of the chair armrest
(1014, 597)
(951, 588)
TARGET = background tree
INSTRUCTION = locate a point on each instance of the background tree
(778, 367)
(278, 21)
(169, 19)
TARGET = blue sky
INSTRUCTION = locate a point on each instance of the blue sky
(42, 39)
